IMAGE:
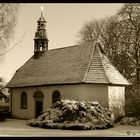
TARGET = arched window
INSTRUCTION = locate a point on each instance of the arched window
(56, 96)
(24, 100)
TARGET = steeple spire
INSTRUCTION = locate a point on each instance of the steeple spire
(40, 40)
(41, 11)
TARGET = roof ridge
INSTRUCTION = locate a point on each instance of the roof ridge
(70, 46)
(88, 67)
(100, 54)
(63, 47)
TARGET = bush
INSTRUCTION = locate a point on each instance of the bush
(130, 121)
(77, 115)
(4, 106)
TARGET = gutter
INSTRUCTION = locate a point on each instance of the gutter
(11, 101)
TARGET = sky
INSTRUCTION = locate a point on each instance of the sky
(64, 20)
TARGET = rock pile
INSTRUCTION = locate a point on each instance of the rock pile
(70, 114)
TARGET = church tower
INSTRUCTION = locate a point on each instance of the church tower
(40, 40)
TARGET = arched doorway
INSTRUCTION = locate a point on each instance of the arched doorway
(38, 96)
(56, 96)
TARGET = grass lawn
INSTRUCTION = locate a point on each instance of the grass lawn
(17, 127)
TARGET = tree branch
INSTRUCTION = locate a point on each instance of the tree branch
(14, 45)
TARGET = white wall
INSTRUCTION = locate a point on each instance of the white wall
(86, 92)
(17, 112)
(116, 97)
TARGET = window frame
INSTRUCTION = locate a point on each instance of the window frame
(23, 100)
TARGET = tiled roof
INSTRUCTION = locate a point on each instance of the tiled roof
(76, 64)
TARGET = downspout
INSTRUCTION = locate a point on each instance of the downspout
(11, 101)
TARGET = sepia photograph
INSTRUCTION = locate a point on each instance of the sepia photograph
(69, 69)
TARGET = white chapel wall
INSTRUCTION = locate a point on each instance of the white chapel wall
(17, 112)
(116, 95)
(86, 92)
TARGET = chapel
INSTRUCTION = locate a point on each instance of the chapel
(79, 72)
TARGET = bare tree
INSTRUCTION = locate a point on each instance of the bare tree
(120, 35)
(90, 31)
(8, 21)
(107, 31)
(2, 80)
(129, 23)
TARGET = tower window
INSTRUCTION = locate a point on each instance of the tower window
(42, 25)
(24, 100)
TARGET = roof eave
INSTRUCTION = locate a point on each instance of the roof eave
(72, 83)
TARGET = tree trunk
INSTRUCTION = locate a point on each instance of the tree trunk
(137, 72)
(138, 81)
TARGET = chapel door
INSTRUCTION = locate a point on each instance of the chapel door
(38, 108)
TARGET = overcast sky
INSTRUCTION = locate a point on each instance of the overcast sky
(63, 23)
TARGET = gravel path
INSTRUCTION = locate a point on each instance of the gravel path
(16, 127)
